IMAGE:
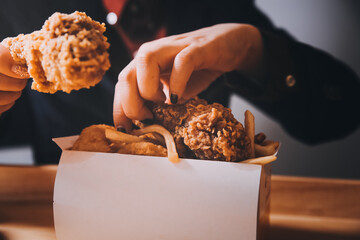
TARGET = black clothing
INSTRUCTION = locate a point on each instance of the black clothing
(319, 107)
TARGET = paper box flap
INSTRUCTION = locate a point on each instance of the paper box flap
(65, 142)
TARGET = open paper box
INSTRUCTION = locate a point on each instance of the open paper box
(118, 196)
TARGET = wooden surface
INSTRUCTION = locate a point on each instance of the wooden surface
(301, 208)
(314, 208)
(26, 203)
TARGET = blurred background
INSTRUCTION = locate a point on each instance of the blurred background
(333, 26)
(330, 25)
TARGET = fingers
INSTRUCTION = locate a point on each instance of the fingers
(140, 81)
(121, 122)
(8, 97)
(8, 66)
(148, 75)
(198, 82)
(184, 65)
(11, 84)
(4, 108)
(154, 59)
(187, 77)
(128, 104)
(143, 79)
(7, 100)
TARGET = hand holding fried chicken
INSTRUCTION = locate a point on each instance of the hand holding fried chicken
(68, 53)
(195, 130)
(179, 67)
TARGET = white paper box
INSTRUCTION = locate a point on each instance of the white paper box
(116, 196)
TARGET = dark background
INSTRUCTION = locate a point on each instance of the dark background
(331, 25)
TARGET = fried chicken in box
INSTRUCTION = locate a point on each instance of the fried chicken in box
(204, 131)
(68, 53)
(195, 129)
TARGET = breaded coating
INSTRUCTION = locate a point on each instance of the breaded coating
(141, 148)
(204, 131)
(93, 139)
(68, 53)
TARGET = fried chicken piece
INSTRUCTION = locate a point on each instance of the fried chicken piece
(141, 148)
(204, 131)
(200, 130)
(93, 139)
(68, 53)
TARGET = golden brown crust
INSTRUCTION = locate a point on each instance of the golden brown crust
(213, 133)
(93, 139)
(68, 53)
(205, 131)
(141, 148)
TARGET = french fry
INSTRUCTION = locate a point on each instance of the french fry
(267, 148)
(116, 136)
(273, 144)
(140, 148)
(260, 138)
(154, 138)
(250, 130)
(261, 160)
(169, 140)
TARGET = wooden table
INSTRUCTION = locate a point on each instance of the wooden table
(301, 208)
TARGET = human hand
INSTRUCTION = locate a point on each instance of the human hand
(11, 81)
(179, 67)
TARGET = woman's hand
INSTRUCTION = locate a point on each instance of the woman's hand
(11, 83)
(179, 67)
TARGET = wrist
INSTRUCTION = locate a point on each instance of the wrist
(251, 61)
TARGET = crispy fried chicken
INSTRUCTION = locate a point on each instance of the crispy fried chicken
(204, 131)
(93, 139)
(68, 53)
(200, 130)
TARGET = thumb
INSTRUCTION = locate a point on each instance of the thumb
(9, 67)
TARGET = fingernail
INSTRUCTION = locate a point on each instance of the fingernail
(147, 121)
(121, 129)
(173, 98)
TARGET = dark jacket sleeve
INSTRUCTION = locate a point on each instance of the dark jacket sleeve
(314, 96)
(319, 103)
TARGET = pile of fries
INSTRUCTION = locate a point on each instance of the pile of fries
(117, 136)
(262, 151)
